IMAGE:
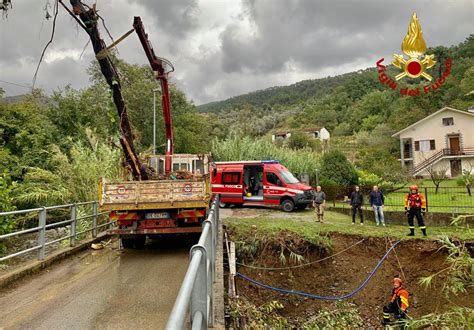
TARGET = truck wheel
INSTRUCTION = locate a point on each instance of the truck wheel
(287, 205)
(127, 243)
(140, 241)
(134, 243)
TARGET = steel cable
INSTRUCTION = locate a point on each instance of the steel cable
(324, 297)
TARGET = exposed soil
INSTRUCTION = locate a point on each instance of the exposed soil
(345, 272)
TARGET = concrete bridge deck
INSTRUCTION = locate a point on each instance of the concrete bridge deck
(106, 289)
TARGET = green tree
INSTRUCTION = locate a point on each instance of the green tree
(336, 167)
(299, 140)
(6, 204)
(26, 135)
(466, 179)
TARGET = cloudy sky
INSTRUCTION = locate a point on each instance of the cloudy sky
(223, 48)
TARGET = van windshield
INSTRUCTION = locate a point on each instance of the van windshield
(288, 177)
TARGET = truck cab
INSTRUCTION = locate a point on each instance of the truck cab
(265, 182)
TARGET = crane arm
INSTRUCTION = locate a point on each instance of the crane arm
(158, 66)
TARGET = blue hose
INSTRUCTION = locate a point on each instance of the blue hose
(322, 297)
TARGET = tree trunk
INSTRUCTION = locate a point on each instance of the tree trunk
(89, 18)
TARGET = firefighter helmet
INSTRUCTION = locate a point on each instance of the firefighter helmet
(414, 187)
(397, 280)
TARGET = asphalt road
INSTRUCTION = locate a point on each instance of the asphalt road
(104, 289)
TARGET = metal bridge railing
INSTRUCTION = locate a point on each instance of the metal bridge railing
(197, 286)
(42, 226)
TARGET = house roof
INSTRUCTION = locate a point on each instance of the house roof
(281, 133)
(430, 116)
(312, 129)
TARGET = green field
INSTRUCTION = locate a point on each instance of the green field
(450, 198)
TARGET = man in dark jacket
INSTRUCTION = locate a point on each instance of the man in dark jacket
(377, 200)
(357, 200)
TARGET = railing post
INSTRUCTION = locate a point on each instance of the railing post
(41, 232)
(199, 297)
(94, 219)
(73, 225)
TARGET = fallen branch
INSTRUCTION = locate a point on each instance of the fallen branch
(88, 21)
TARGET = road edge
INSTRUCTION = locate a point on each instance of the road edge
(218, 287)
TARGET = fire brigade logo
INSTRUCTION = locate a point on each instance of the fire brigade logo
(415, 66)
(414, 47)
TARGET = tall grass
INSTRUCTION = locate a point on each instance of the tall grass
(75, 176)
(246, 148)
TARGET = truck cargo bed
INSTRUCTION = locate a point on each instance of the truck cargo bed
(159, 194)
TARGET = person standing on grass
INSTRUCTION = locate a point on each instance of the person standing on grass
(319, 202)
(415, 206)
(377, 201)
(357, 200)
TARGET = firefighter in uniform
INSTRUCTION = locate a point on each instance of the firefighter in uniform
(415, 206)
(398, 303)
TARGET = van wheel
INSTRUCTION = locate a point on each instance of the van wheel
(287, 205)
(223, 205)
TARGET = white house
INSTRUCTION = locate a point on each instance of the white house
(320, 133)
(442, 141)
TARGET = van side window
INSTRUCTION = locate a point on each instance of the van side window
(231, 178)
(272, 178)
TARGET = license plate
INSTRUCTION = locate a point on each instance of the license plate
(157, 215)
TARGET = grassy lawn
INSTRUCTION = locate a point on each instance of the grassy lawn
(446, 183)
(271, 222)
(449, 199)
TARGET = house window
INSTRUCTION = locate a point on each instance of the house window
(231, 178)
(425, 145)
(448, 121)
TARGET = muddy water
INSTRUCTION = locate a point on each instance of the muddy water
(108, 288)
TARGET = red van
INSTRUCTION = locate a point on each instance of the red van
(264, 182)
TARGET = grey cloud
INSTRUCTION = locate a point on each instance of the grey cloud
(289, 39)
(323, 33)
(175, 17)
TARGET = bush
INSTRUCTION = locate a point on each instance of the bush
(6, 204)
(336, 167)
(299, 140)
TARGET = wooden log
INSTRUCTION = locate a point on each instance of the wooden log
(89, 19)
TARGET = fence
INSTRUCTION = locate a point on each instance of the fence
(455, 200)
(42, 226)
(198, 281)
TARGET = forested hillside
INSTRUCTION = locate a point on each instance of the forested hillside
(349, 103)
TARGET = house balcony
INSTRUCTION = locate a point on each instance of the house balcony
(443, 154)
